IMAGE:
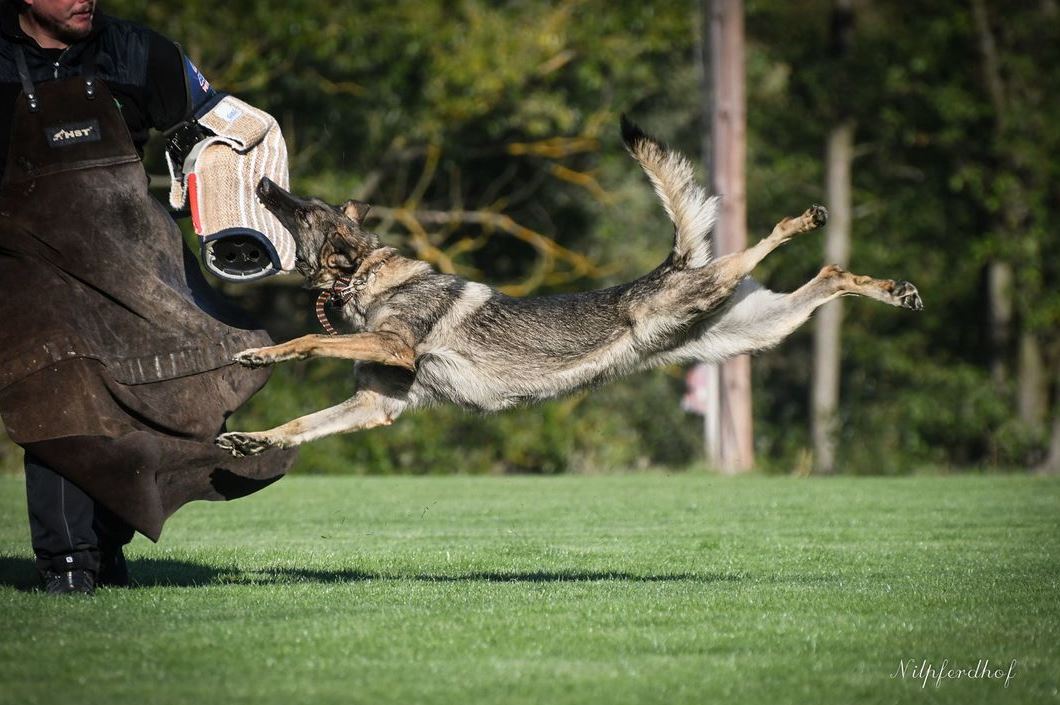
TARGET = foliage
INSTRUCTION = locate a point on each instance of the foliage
(933, 186)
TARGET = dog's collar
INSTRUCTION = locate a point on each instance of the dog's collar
(347, 287)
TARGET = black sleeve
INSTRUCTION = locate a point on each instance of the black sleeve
(167, 94)
(9, 93)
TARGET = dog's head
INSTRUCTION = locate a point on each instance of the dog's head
(329, 240)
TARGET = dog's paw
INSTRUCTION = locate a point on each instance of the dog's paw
(254, 357)
(243, 444)
(906, 296)
(818, 215)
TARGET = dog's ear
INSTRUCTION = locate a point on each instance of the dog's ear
(337, 260)
(356, 211)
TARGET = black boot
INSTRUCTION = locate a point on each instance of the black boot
(113, 571)
(113, 533)
(70, 582)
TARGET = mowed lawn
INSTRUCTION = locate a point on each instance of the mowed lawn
(647, 588)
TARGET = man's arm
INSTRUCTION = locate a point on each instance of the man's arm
(177, 90)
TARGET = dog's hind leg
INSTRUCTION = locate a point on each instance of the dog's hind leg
(692, 293)
(757, 318)
(383, 347)
(835, 281)
(366, 409)
(764, 322)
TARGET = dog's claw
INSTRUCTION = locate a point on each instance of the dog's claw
(907, 296)
(243, 444)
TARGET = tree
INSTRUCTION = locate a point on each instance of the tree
(1024, 109)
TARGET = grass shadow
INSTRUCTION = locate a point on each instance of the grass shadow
(21, 574)
(282, 575)
(154, 572)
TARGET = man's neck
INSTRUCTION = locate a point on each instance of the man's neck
(39, 34)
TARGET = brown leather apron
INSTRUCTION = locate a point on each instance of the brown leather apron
(115, 358)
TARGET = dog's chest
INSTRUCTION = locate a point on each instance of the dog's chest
(354, 314)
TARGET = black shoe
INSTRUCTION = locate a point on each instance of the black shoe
(113, 571)
(70, 581)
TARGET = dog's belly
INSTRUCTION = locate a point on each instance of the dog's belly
(496, 382)
(448, 377)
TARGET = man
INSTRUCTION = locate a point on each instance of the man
(54, 35)
(119, 372)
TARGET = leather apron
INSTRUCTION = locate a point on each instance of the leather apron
(115, 360)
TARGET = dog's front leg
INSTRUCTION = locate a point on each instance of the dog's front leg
(734, 267)
(366, 409)
(382, 347)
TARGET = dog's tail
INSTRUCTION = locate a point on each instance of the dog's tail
(685, 201)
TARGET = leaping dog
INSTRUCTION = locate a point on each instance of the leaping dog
(426, 338)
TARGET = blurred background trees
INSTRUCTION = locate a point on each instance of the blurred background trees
(485, 134)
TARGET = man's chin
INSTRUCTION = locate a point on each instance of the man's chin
(69, 32)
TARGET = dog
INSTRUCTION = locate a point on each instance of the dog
(426, 338)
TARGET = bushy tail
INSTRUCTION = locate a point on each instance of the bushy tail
(685, 201)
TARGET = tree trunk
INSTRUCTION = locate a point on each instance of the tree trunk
(839, 159)
(729, 140)
(826, 358)
(999, 291)
(1032, 386)
(1051, 464)
(999, 272)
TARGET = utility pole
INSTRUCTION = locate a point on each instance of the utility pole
(728, 179)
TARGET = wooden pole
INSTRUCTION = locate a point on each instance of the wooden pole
(729, 140)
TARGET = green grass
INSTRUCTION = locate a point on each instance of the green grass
(646, 588)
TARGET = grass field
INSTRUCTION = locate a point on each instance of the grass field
(647, 588)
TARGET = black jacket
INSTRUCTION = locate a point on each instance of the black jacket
(144, 70)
